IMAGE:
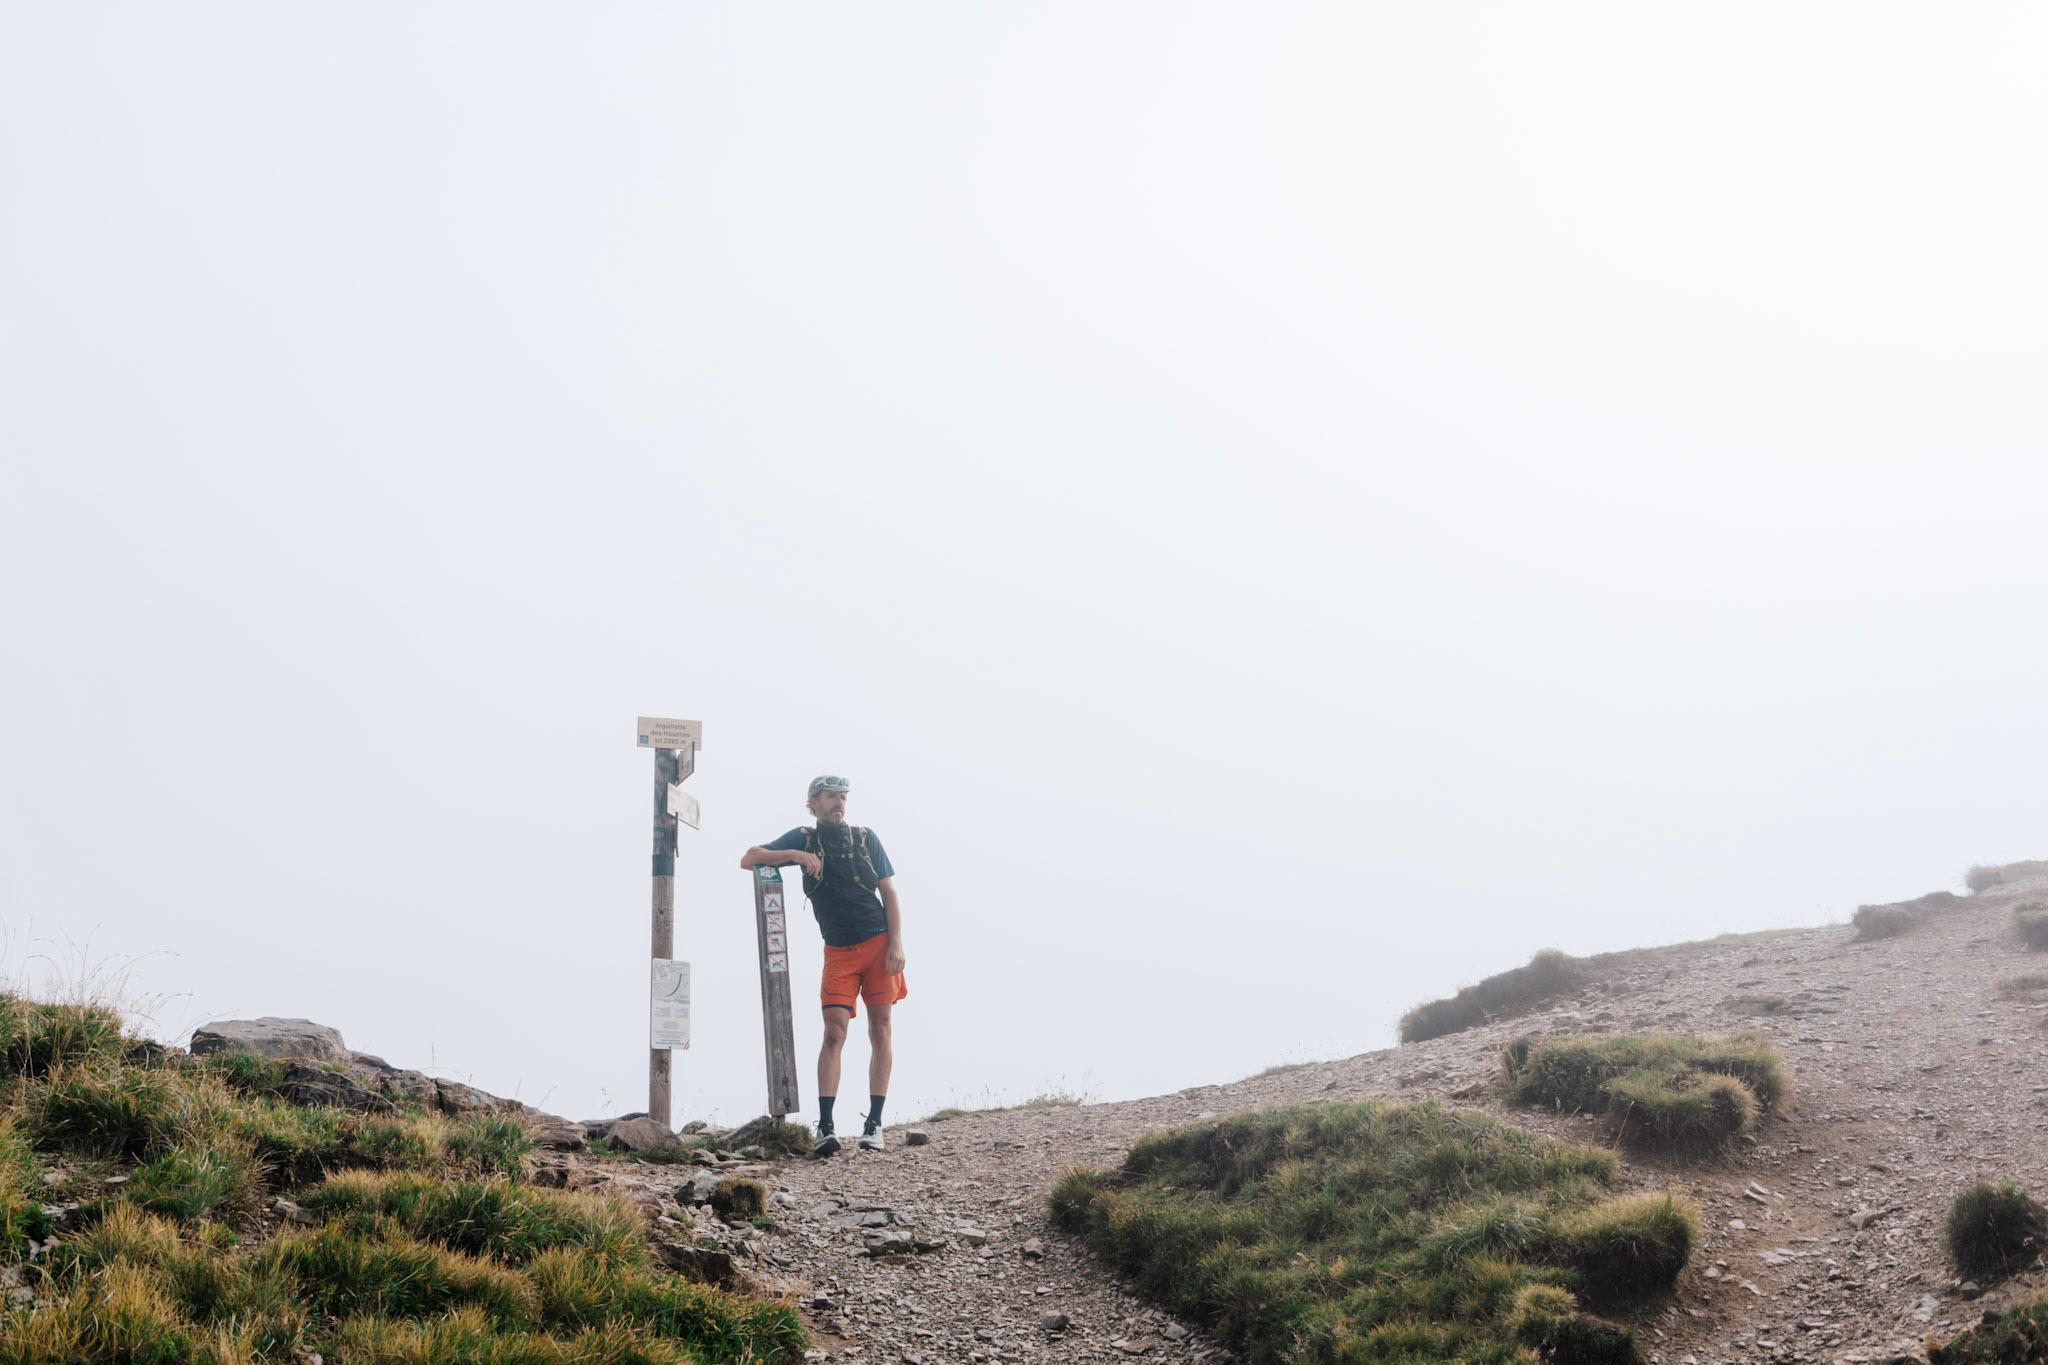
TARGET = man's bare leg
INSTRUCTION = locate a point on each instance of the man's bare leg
(881, 1056)
(836, 1020)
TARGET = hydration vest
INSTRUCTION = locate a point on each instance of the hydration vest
(847, 866)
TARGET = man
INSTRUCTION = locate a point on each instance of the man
(849, 881)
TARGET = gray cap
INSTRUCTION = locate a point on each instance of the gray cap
(829, 784)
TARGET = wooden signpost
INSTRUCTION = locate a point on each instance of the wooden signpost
(668, 1012)
(771, 922)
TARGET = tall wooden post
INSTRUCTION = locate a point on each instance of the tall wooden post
(771, 924)
(665, 768)
(668, 1021)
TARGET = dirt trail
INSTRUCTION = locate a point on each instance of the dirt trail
(1913, 1078)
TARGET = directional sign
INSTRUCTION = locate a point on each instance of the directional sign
(685, 807)
(669, 1023)
(652, 732)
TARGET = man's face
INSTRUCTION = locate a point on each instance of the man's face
(829, 807)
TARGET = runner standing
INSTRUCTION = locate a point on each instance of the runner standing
(848, 880)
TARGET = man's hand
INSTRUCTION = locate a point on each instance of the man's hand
(809, 862)
(893, 961)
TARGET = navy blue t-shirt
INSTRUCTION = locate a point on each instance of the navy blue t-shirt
(846, 914)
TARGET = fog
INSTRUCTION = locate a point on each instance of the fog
(1279, 511)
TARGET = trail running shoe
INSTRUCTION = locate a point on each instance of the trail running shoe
(826, 1145)
(871, 1138)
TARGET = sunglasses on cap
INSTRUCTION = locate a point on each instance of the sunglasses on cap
(829, 784)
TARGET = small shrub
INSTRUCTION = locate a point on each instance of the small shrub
(1981, 878)
(122, 1112)
(2026, 986)
(1300, 1234)
(1546, 1319)
(482, 1217)
(489, 1145)
(1993, 1230)
(1881, 921)
(1548, 974)
(1628, 1248)
(2032, 921)
(1888, 921)
(35, 1038)
(2004, 1337)
(21, 1191)
(739, 1198)
(195, 1179)
(1659, 1091)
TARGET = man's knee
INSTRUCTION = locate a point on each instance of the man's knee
(878, 1028)
(835, 1028)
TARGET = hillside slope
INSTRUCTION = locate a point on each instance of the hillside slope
(1914, 1077)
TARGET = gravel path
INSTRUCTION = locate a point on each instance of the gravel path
(1913, 1078)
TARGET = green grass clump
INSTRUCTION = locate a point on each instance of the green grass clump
(199, 1178)
(1982, 878)
(507, 1221)
(1660, 1091)
(1993, 1230)
(1547, 975)
(2006, 1336)
(739, 1198)
(2032, 922)
(21, 1192)
(36, 1037)
(428, 1247)
(1050, 1099)
(1377, 1231)
(2030, 986)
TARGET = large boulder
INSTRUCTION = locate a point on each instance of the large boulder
(316, 1087)
(459, 1100)
(547, 1130)
(642, 1134)
(271, 1037)
(601, 1128)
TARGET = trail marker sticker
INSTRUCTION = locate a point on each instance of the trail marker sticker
(685, 806)
(669, 1021)
(656, 733)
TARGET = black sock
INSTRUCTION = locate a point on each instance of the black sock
(825, 1114)
(875, 1109)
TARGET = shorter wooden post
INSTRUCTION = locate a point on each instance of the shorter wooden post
(771, 923)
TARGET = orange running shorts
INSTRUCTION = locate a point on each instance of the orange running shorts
(855, 974)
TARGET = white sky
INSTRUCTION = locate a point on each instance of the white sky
(1281, 510)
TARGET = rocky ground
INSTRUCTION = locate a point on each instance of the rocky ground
(1914, 1078)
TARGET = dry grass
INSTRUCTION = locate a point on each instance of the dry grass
(1547, 975)
(1659, 1091)
(424, 1244)
(2031, 919)
(1982, 877)
(1380, 1231)
(1888, 921)
(1993, 1231)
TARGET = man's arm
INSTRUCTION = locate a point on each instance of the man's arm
(758, 856)
(895, 960)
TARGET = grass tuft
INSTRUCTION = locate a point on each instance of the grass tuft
(738, 1198)
(1547, 975)
(1378, 1231)
(425, 1245)
(1660, 1091)
(1993, 1230)
(2005, 1337)
(1982, 878)
(1888, 921)
(2032, 921)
